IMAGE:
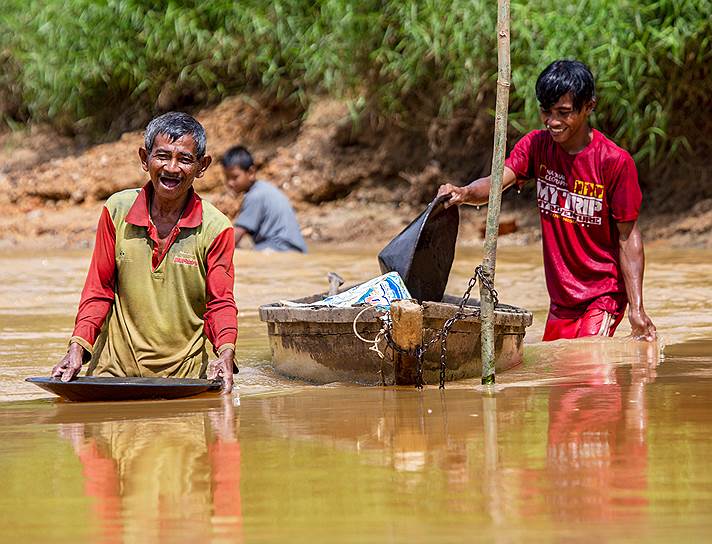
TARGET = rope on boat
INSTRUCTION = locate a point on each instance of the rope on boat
(377, 340)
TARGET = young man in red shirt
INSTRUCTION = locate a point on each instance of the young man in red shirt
(588, 197)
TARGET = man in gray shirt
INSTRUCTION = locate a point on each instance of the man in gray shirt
(265, 214)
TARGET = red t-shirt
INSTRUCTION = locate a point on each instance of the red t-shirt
(581, 197)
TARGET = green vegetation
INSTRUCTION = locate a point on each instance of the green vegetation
(108, 64)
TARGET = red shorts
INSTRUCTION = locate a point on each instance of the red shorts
(595, 322)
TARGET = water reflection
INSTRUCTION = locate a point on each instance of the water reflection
(490, 449)
(597, 452)
(585, 440)
(157, 470)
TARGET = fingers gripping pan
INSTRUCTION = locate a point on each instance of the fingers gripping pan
(423, 252)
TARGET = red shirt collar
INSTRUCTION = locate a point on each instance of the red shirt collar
(138, 214)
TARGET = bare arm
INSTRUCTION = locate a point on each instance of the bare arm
(239, 233)
(632, 259)
(477, 192)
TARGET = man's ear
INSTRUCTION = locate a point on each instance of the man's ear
(203, 165)
(253, 172)
(591, 106)
(143, 154)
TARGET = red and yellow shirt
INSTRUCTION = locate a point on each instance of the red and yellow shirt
(161, 306)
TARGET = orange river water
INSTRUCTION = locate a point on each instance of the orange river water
(586, 441)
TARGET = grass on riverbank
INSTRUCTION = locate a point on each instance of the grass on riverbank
(88, 66)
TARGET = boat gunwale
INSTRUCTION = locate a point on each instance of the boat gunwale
(277, 312)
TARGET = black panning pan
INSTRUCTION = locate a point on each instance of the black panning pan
(423, 252)
(100, 389)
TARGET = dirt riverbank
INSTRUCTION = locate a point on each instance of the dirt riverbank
(348, 184)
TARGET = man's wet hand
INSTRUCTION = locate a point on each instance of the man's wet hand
(641, 326)
(221, 368)
(458, 195)
(70, 365)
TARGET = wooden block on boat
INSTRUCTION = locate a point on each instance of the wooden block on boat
(407, 320)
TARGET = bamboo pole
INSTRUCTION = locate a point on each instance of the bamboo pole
(495, 196)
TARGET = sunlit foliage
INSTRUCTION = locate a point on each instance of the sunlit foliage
(85, 64)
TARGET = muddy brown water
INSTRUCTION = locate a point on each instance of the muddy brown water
(587, 441)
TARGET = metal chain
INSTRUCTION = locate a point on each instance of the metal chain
(443, 333)
(484, 280)
(419, 355)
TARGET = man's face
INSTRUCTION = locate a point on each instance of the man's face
(239, 180)
(563, 121)
(172, 166)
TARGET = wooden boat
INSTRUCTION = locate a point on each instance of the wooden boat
(318, 343)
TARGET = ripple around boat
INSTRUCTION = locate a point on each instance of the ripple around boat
(318, 343)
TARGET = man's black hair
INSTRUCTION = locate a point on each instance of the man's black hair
(562, 77)
(237, 156)
(176, 124)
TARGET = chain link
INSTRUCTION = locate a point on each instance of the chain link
(419, 355)
(443, 333)
(485, 281)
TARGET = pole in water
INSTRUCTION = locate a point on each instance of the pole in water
(495, 196)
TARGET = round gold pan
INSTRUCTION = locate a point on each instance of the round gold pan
(101, 389)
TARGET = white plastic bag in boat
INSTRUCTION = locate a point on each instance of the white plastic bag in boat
(380, 292)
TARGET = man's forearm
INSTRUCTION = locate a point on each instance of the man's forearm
(632, 262)
(478, 191)
(227, 354)
(239, 235)
(632, 259)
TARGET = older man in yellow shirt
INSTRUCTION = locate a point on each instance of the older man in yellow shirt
(161, 272)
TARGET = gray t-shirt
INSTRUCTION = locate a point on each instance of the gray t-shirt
(268, 217)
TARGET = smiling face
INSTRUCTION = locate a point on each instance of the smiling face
(172, 167)
(568, 127)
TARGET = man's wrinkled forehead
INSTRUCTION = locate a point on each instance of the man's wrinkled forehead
(184, 144)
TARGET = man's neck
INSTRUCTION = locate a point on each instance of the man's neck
(163, 212)
(578, 141)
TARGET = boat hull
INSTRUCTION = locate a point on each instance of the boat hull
(319, 345)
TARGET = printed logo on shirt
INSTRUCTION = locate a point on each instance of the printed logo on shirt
(583, 205)
(551, 177)
(185, 259)
(589, 188)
